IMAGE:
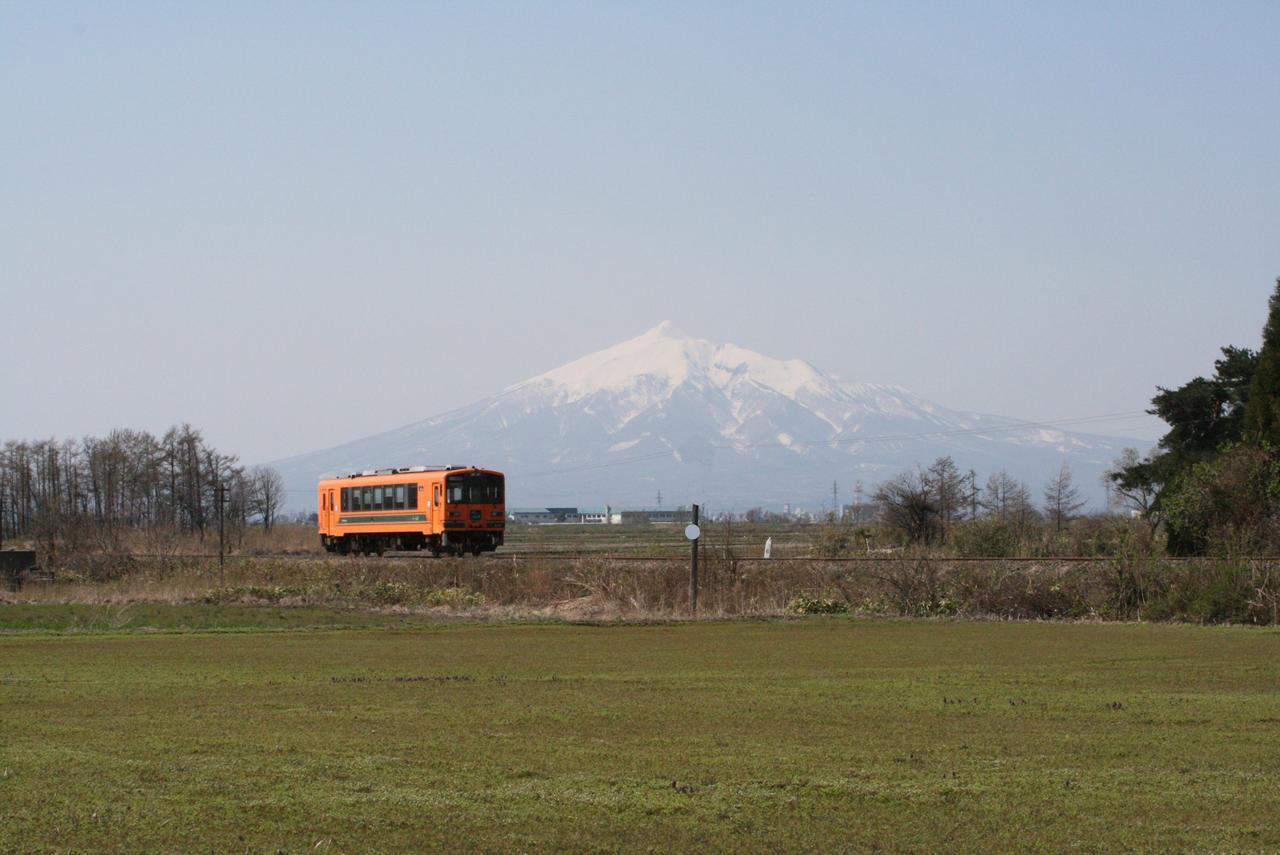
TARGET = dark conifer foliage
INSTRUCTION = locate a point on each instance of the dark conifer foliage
(1214, 472)
(1262, 409)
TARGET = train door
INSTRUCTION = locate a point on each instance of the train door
(326, 511)
(437, 508)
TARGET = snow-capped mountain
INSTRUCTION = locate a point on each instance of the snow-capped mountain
(708, 422)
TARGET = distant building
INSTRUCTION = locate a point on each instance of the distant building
(597, 516)
(644, 516)
(542, 516)
(551, 516)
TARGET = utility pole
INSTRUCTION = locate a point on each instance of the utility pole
(693, 565)
(835, 501)
(220, 496)
(973, 495)
(659, 500)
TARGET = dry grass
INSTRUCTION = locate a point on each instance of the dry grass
(604, 588)
(609, 589)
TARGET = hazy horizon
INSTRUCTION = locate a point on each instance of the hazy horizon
(297, 225)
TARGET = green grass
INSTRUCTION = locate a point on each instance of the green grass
(152, 617)
(825, 733)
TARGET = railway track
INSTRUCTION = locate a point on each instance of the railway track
(682, 557)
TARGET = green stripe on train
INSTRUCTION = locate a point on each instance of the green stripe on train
(389, 518)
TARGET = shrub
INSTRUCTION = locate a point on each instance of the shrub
(1021, 591)
(833, 539)
(1229, 505)
(454, 597)
(987, 538)
(389, 593)
(941, 607)
(268, 593)
(915, 583)
(803, 605)
(1210, 592)
(1132, 584)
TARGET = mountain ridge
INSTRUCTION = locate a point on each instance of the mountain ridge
(711, 422)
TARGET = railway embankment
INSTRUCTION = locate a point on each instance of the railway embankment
(542, 585)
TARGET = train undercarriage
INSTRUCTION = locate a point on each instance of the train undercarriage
(448, 543)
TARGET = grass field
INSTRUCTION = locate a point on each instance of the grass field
(810, 734)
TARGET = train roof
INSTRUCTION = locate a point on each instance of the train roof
(409, 470)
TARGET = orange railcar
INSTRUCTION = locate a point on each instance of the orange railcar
(453, 509)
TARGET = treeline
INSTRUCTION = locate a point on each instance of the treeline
(925, 507)
(1213, 482)
(946, 510)
(75, 494)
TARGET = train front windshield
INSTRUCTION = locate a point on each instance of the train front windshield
(476, 488)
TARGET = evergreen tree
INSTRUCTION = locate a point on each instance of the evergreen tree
(1262, 412)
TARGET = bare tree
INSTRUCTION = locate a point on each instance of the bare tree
(1008, 500)
(998, 497)
(948, 487)
(62, 493)
(266, 494)
(908, 503)
(1062, 498)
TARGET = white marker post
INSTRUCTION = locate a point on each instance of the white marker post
(692, 532)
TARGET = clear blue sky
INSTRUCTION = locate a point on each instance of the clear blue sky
(293, 224)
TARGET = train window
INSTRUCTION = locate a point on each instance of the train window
(399, 497)
(346, 498)
(366, 498)
(412, 502)
(475, 487)
(377, 499)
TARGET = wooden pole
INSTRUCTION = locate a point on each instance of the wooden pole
(693, 569)
(220, 494)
